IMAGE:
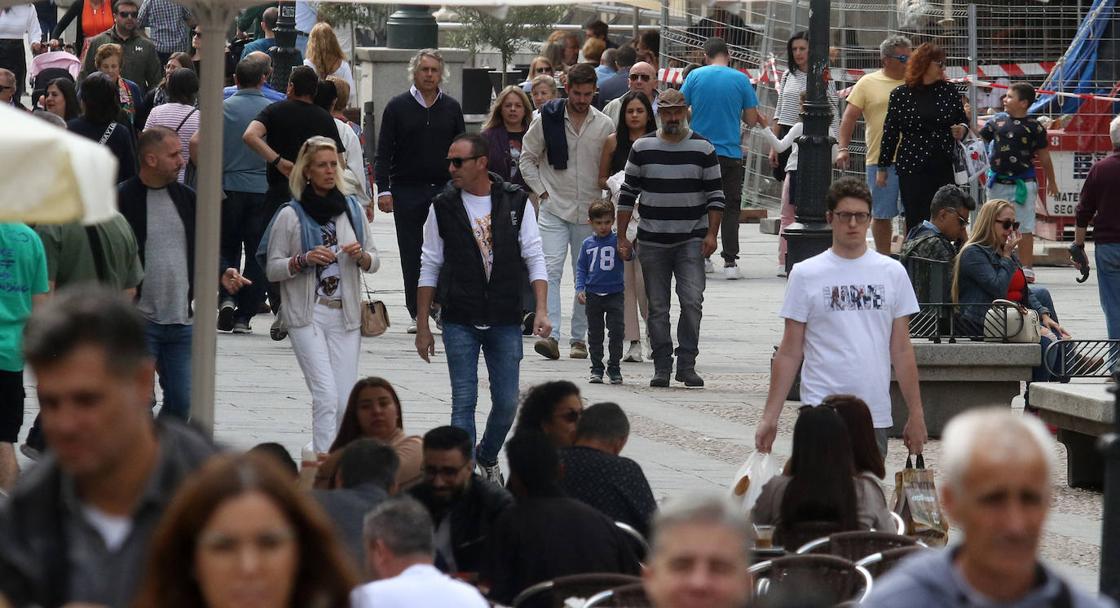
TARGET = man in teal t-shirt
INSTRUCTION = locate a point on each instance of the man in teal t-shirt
(721, 97)
(23, 282)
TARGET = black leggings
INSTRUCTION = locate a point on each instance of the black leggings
(919, 187)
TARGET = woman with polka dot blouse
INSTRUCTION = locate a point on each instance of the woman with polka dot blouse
(927, 115)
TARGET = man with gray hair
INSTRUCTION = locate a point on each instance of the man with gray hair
(417, 128)
(997, 469)
(1098, 205)
(869, 98)
(699, 555)
(399, 554)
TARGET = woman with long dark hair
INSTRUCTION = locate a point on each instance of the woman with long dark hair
(820, 483)
(927, 116)
(239, 533)
(867, 454)
(510, 116)
(635, 119)
(317, 247)
(98, 121)
(787, 112)
(374, 412)
(553, 408)
(158, 96)
(61, 99)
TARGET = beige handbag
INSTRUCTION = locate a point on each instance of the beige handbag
(375, 317)
(1019, 323)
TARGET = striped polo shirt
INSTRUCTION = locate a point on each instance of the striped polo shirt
(678, 182)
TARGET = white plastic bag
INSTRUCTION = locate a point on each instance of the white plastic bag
(748, 481)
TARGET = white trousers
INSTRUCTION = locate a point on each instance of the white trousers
(328, 355)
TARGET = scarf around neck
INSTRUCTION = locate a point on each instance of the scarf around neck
(322, 209)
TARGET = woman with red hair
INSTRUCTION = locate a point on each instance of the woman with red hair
(925, 117)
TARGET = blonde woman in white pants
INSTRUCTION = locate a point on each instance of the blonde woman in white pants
(318, 245)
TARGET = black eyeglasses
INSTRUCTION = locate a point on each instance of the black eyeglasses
(642, 77)
(459, 160)
(432, 472)
(128, 14)
(847, 216)
(542, 69)
(1008, 224)
(571, 415)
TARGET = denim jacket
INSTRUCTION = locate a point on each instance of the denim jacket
(984, 276)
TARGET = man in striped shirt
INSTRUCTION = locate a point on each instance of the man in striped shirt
(677, 174)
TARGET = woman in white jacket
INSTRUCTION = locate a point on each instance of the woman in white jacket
(318, 244)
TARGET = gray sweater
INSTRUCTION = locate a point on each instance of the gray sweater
(871, 504)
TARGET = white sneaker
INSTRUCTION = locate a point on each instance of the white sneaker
(634, 353)
(492, 473)
(782, 271)
(731, 273)
(412, 327)
(708, 268)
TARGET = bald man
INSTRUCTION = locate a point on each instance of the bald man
(643, 78)
(269, 93)
(997, 483)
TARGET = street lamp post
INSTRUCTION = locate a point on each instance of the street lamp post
(1110, 524)
(412, 27)
(285, 55)
(810, 234)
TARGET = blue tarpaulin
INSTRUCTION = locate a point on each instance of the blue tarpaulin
(1079, 70)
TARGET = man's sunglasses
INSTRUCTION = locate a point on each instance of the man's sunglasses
(1008, 224)
(128, 14)
(642, 77)
(964, 220)
(459, 160)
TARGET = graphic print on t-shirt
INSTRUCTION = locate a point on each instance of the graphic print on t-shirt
(485, 240)
(854, 297)
(329, 275)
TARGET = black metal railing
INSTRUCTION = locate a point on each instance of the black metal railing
(1065, 359)
(938, 322)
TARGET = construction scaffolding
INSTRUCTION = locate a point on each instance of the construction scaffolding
(1013, 40)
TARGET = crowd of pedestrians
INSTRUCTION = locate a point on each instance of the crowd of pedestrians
(587, 159)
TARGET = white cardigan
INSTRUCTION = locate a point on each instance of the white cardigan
(298, 290)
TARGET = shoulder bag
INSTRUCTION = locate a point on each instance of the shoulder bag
(375, 317)
(1012, 320)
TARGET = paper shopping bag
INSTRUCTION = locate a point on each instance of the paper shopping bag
(916, 501)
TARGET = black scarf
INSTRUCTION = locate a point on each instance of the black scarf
(322, 209)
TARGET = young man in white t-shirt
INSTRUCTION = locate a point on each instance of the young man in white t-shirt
(847, 315)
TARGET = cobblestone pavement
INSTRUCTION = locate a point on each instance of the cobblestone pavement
(686, 439)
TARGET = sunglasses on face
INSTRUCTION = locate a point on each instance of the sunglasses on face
(128, 14)
(963, 220)
(459, 160)
(900, 58)
(642, 77)
(1008, 224)
(542, 69)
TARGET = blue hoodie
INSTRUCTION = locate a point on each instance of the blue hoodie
(929, 580)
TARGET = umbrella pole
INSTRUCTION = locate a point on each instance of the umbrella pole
(213, 18)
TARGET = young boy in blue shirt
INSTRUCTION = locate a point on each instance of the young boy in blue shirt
(599, 287)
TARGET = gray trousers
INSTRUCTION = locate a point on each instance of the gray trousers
(605, 312)
(660, 265)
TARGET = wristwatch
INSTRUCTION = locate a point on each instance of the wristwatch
(276, 161)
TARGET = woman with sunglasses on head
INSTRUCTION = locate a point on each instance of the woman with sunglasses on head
(553, 408)
(927, 116)
(317, 245)
(987, 269)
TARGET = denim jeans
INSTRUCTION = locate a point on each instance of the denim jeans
(244, 218)
(659, 266)
(170, 345)
(502, 348)
(558, 238)
(605, 313)
(410, 210)
(1107, 257)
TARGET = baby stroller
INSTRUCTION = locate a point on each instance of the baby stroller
(45, 67)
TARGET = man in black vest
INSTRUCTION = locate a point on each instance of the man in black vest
(479, 239)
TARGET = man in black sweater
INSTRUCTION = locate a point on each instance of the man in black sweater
(417, 129)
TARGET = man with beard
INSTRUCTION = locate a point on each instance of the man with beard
(677, 174)
(463, 505)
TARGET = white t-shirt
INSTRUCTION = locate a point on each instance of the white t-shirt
(418, 585)
(849, 307)
(112, 528)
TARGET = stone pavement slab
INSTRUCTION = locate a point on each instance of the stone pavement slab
(687, 440)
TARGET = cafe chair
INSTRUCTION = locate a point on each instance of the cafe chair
(835, 578)
(879, 563)
(628, 596)
(857, 545)
(555, 591)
